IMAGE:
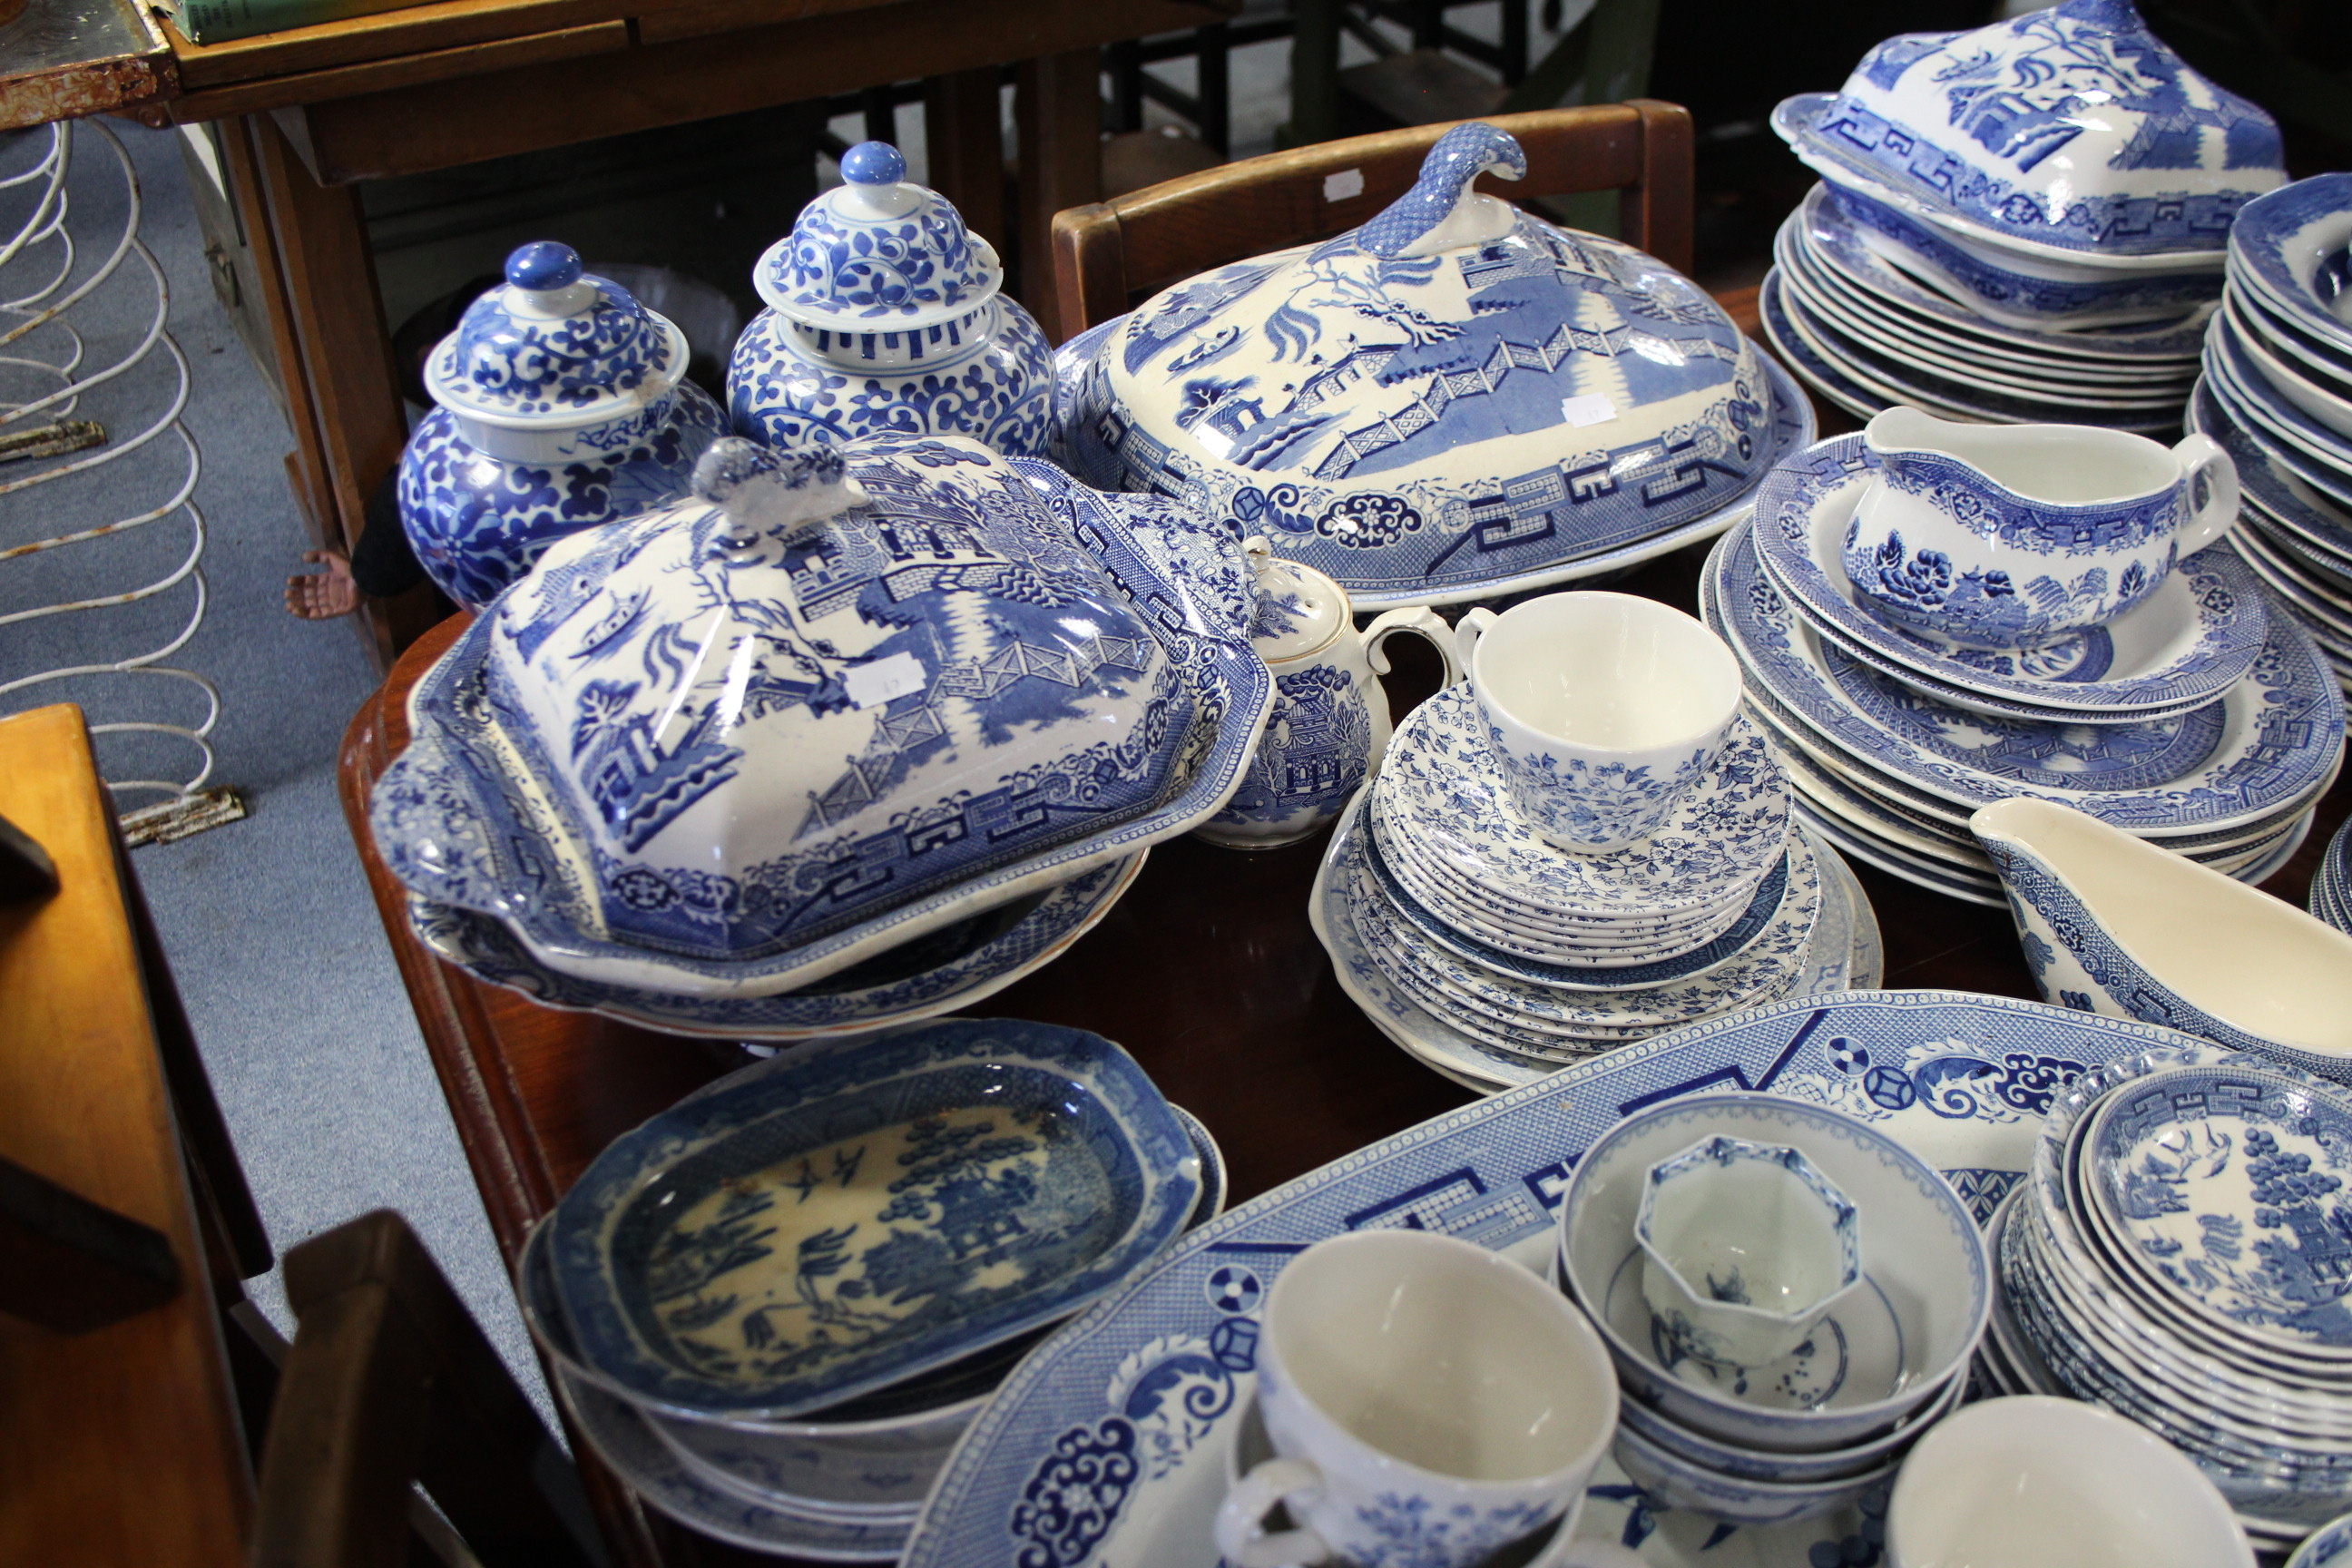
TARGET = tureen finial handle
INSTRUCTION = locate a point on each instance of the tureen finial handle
(874, 176)
(764, 491)
(1442, 212)
(546, 281)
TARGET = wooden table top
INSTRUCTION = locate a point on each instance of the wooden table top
(1206, 971)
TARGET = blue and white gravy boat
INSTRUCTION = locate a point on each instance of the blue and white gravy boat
(2007, 536)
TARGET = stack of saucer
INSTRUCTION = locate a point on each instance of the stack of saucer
(790, 1376)
(2331, 885)
(2277, 394)
(1989, 247)
(1849, 309)
(1495, 957)
(2177, 1255)
(2193, 719)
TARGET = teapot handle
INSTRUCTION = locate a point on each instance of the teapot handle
(1424, 622)
(2202, 459)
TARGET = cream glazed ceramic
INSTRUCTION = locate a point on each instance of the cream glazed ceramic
(1331, 724)
(1454, 396)
(2113, 924)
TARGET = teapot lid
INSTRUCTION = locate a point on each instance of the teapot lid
(1298, 610)
(555, 347)
(877, 254)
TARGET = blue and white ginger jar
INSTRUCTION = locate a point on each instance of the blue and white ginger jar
(843, 677)
(885, 318)
(562, 404)
(2073, 128)
(1453, 395)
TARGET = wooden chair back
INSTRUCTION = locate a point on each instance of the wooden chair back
(1109, 255)
(390, 1382)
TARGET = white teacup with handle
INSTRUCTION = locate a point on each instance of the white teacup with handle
(1430, 1401)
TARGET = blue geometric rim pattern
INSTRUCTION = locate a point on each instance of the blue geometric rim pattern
(614, 1261)
(1054, 1471)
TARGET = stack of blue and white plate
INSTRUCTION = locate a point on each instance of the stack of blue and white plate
(1987, 248)
(2331, 885)
(1495, 957)
(2179, 1255)
(773, 1309)
(2277, 393)
(2195, 719)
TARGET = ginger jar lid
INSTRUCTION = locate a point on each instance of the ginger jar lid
(2075, 128)
(1299, 611)
(555, 347)
(877, 254)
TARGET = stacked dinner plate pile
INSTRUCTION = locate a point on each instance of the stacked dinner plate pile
(1988, 246)
(2179, 1255)
(2331, 885)
(773, 1310)
(2195, 719)
(2277, 393)
(1496, 957)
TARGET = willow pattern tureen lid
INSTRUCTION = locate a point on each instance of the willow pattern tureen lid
(840, 677)
(554, 346)
(877, 254)
(1454, 395)
(2074, 128)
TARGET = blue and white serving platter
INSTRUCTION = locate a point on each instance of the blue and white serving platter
(951, 968)
(1832, 383)
(1108, 1446)
(2193, 639)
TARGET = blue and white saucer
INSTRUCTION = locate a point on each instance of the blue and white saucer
(2288, 247)
(1441, 787)
(2281, 727)
(942, 971)
(2318, 455)
(2194, 637)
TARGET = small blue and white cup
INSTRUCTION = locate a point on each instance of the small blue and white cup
(2007, 536)
(1602, 708)
(1410, 1380)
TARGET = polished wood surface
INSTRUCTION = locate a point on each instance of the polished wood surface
(119, 1445)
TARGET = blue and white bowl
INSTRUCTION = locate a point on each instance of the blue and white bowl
(1731, 1461)
(2329, 1546)
(2290, 251)
(1666, 1477)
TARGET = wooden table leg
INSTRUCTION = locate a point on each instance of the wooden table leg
(1057, 111)
(964, 142)
(345, 351)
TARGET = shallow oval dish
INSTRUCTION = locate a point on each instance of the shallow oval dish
(715, 751)
(2072, 131)
(866, 1212)
(1453, 398)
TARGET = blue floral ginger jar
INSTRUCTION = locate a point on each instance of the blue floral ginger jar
(562, 404)
(886, 316)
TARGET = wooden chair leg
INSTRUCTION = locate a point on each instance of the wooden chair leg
(1057, 110)
(390, 1380)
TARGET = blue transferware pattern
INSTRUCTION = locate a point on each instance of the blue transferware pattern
(2320, 456)
(1761, 1465)
(2228, 1181)
(1107, 1443)
(2331, 885)
(2291, 249)
(1441, 785)
(2282, 725)
(1669, 1480)
(1828, 230)
(461, 818)
(951, 969)
(1762, 910)
(1039, 1166)
(1440, 426)
(1767, 963)
(1780, 331)
(1569, 798)
(2328, 1547)
(877, 252)
(561, 406)
(2072, 129)
(2193, 640)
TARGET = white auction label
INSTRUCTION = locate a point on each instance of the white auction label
(1347, 183)
(885, 678)
(1587, 409)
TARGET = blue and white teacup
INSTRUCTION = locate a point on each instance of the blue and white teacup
(2005, 536)
(1418, 1389)
(1602, 708)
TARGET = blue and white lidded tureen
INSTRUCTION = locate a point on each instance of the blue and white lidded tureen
(885, 318)
(865, 673)
(562, 404)
(2071, 131)
(1452, 400)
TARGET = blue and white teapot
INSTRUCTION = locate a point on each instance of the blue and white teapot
(886, 317)
(564, 404)
(1453, 401)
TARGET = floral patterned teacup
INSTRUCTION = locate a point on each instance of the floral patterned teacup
(1602, 708)
(1432, 1403)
